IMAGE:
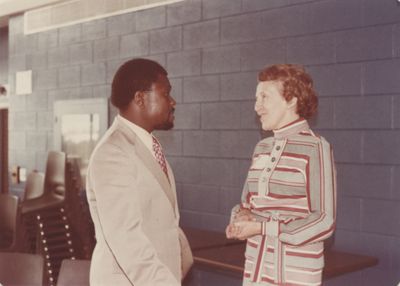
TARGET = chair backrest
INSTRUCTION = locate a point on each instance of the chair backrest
(74, 272)
(8, 221)
(34, 186)
(54, 178)
(21, 269)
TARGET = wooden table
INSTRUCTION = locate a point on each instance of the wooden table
(213, 251)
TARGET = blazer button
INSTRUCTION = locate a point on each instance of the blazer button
(273, 159)
(278, 148)
(263, 179)
(268, 169)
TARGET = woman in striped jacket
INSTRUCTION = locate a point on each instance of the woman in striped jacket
(288, 203)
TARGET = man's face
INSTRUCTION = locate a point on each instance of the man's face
(159, 104)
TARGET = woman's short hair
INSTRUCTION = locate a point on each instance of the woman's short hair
(134, 75)
(296, 83)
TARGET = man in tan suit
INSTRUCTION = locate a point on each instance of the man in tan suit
(131, 187)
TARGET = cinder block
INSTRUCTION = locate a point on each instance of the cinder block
(166, 40)
(364, 44)
(48, 39)
(221, 115)
(221, 8)
(330, 16)
(186, 169)
(36, 140)
(396, 40)
(171, 142)
(378, 217)
(58, 56)
(219, 172)
(44, 79)
(363, 112)
(134, 45)
(93, 30)
(256, 56)
(244, 165)
(376, 275)
(204, 199)
(347, 145)
(325, 114)
(229, 197)
(121, 24)
(17, 63)
(81, 53)
(202, 143)
(238, 144)
(177, 88)
(257, 5)
(347, 240)
(36, 60)
(201, 89)
(31, 43)
(70, 34)
(184, 12)
(190, 219)
(17, 140)
(349, 213)
(40, 160)
(187, 116)
(17, 102)
(314, 49)
(106, 49)
(241, 28)
(37, 101)
(337, 79)
(24, 121)
(238, 86)
(69, 76)
(111, 68)
(103, 91)
(222, 59)
(184, 63)
(160, 58)
(45, 122)
(93, 74)
(274, 23)
(150, 19)
(385, 11)
(216, 223)
(382, 77)
(382, 147)
(204, 34)
(395, 179)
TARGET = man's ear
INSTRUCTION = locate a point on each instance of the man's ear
(292, 102)
(138, 98)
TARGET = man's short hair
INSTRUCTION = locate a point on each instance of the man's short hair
(134, 75)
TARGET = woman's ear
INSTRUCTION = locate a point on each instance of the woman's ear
(292, 102)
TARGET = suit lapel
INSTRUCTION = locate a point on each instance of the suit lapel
(149, 161)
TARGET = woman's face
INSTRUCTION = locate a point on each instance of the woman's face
(271, 106)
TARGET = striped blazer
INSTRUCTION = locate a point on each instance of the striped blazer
(291, 189)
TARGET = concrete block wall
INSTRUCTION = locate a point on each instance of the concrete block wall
(213, 50)
(4, 55)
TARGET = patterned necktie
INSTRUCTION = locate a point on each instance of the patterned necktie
(160, 156)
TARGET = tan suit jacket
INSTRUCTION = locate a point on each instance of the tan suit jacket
(135, 213)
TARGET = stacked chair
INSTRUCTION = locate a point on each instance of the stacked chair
(57, 223)
(9, 223)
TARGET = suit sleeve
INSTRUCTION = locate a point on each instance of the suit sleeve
(113, 178)
(321, 193)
